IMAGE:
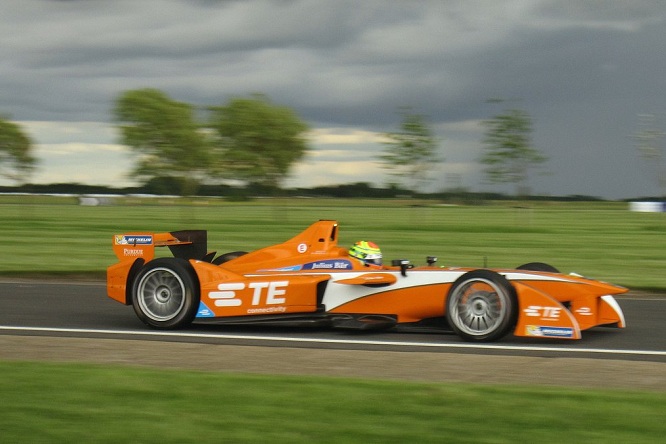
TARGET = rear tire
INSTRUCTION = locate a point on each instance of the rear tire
(482, 306)
(226, 257)
(538, 266)
(165, 293)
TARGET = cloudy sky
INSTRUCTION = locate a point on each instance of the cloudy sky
(583, 69)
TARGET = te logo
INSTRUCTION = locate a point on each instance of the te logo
(273, 290)
(269, 292)
(545, 313)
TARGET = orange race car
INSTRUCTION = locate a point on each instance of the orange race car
(310, 280)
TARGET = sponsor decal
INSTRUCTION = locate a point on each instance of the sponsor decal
(267, 310)
(330, 264)
(132, 252)
(204, 311)
(130, 239)
(549, 332)
(263, 293)
(543, 313)
(302, 248)
(270, 296)
(226, 297)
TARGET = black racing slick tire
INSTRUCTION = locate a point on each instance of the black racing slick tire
(165, 293)
(538, 266)
(226, 257)
(482, 306)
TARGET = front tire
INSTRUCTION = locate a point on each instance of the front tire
(482, 306)
(165, 293)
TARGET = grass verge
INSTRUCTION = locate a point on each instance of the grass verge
(603, 241)
(45, 402)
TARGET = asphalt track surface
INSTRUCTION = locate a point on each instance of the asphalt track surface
(65, 321)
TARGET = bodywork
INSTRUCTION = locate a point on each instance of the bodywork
(310, 279)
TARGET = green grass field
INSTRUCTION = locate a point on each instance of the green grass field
(80, 403)
(83, 403)
(599, 240)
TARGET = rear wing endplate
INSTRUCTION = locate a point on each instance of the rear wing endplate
(185, 244)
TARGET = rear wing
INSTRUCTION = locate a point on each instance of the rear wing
(185, 244)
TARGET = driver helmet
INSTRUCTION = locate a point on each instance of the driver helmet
(367, 252)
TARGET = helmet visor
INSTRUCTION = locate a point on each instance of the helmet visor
(374, 259)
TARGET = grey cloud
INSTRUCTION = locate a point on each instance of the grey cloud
(583, 70)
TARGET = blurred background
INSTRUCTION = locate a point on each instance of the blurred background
(122, 94)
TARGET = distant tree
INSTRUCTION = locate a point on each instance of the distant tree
(649, 141)
(509, 154)
(410, 153)
(257, 141)
(16, 159)
(164, 134)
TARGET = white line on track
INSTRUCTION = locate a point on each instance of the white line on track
(468, 346)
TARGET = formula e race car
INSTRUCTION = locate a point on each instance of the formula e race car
(310, 280)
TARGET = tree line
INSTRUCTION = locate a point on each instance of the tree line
(253, 144)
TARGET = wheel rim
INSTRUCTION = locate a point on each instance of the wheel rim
(478, 307)
(161, 294)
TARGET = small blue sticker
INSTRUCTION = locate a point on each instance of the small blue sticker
(204, 312)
